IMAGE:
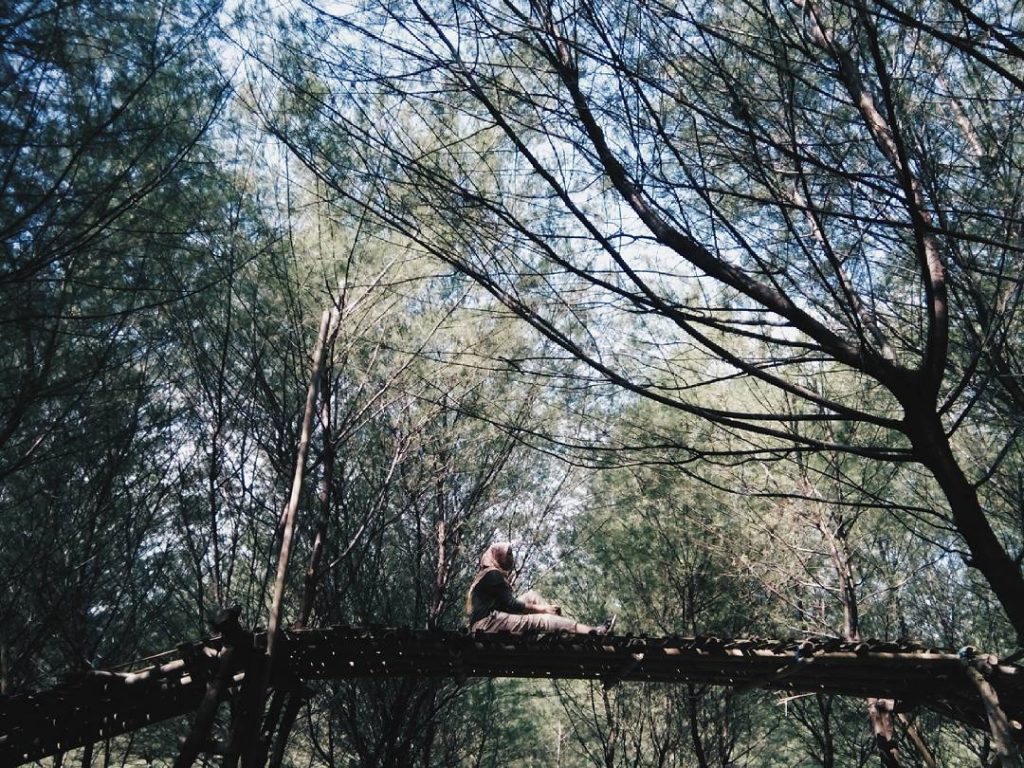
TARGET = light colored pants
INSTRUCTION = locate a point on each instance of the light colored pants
(499, 621)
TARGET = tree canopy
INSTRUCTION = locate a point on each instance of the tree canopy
(713, 309)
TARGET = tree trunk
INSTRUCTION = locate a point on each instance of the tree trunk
(880, 711)
(698, 744)
(987, 553)
(5, 672)
(273, 625)
(828, 745)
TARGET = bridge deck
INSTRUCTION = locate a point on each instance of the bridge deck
(92, 706)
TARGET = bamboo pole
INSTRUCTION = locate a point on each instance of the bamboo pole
(325, 498)
(273, 625)
(256, 753)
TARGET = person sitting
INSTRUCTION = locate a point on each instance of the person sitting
(492, 606)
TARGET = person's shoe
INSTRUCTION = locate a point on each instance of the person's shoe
(605, 628)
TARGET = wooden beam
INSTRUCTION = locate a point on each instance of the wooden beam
(91, 707)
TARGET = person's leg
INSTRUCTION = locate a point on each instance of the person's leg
(498, 621)
(546, 622)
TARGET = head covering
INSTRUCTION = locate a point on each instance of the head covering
(497, 557)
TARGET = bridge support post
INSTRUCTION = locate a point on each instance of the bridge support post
(917, 740)
(268, 703)
(233, 635)
(999, 725)
(247, 714)
(880, 713)
(292, 704)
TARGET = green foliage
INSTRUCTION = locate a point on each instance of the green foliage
(112, 211)
(712, 422)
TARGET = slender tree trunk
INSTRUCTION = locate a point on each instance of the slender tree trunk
(441, 575)
(880, 711)
(831, 530)
(273, 624)
(698, 744)
(611, 743)
(5, 670)
(828, 745)
(294, 698)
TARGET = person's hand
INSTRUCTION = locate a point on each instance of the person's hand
(555, 610)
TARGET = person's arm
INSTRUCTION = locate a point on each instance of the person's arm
(504, 599)
(509, 603)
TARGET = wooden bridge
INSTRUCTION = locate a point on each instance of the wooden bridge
(95, 705)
